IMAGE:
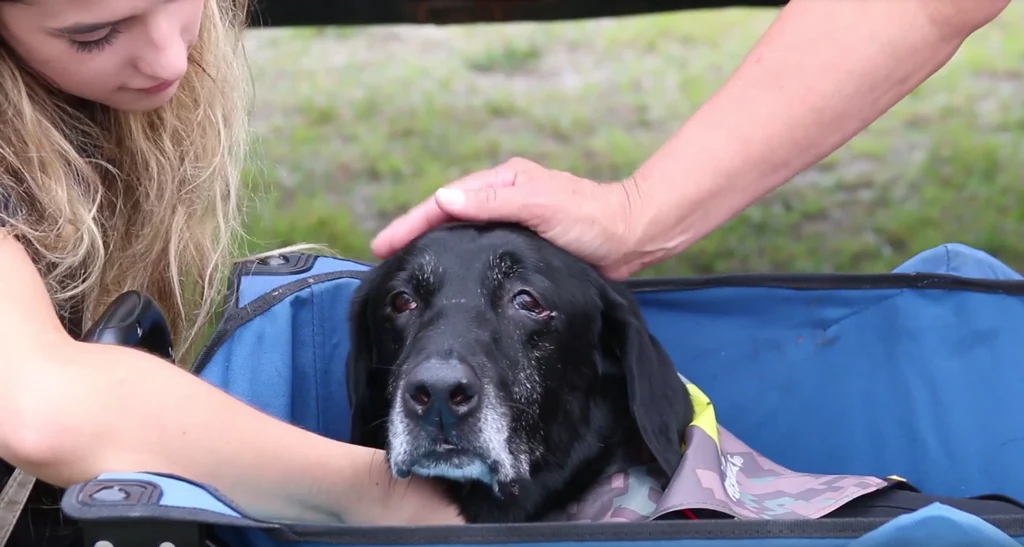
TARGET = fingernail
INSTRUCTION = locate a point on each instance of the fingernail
(450, 196)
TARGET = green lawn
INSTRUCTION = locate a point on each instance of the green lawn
(355, 125)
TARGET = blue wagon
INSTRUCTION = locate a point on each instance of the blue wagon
(915, 373)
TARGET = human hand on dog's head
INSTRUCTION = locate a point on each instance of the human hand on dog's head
(596, 222)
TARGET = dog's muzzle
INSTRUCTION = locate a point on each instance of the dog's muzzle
(438, 395)
(440, 426)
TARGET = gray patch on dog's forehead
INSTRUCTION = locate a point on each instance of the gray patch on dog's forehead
(502, 266)
(427, 269)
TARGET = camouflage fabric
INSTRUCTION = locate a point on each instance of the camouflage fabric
(719, 473)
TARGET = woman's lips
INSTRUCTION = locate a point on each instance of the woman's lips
(159, 88)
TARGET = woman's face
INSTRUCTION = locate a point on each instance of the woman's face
(127, 54)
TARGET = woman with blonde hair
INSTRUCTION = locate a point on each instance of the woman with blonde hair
(122, 137)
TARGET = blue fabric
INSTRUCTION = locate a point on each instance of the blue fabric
(920, 383)
(917, 382)
(290, 361)
(936, 525)
(961, 260)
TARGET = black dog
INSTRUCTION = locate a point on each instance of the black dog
(510, 369)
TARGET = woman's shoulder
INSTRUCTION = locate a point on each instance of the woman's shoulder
(11, 249)
(28, 309)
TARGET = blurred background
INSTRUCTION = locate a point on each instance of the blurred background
(356, 124)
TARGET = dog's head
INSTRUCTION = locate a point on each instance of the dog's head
(486, 353)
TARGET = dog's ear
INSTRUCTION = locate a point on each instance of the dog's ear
(362, 357)
(659, 401)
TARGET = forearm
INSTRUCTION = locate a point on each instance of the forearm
(169, 421)
(823, 72)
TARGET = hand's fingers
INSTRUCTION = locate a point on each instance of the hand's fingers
(496, 177)
(405, 228)
(427, 215)
(511, 203)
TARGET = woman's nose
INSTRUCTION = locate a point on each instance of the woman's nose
(164, 54)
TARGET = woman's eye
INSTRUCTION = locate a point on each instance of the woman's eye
(401, 302)
(96, 43)
(528, 303)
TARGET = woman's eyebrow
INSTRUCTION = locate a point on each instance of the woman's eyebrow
(87, 28)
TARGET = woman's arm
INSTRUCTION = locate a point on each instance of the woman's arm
(70, 411)
(823, 72)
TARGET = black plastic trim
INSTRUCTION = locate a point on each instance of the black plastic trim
(830, 281)
(590, 532)
(290, 13)
(146, 533)
(294, 264)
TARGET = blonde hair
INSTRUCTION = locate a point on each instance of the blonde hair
(108, 201)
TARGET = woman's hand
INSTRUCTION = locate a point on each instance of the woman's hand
(595, 221)
(374, 497)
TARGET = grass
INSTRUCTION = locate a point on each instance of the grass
(356, 125)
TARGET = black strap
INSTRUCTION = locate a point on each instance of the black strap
(897, 500)
(12, 502)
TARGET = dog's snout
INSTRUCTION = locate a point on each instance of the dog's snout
(445, 386)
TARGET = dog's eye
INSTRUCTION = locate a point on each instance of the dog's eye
(528, 303)
(401, 302)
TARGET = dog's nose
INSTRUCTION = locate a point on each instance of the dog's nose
(442, 385)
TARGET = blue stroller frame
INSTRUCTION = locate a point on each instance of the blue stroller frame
(916, 373)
